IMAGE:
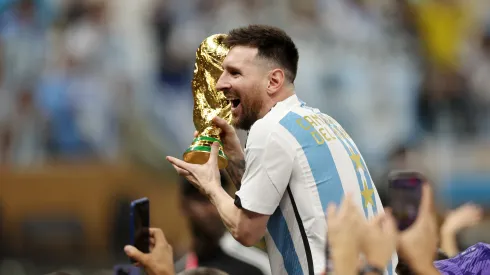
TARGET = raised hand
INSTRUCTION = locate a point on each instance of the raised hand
(462, 217)
(233, 150)
(160, 259)
(418, 243)
(205, 176)
(380, 238)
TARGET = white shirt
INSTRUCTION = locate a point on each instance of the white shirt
(298, 160)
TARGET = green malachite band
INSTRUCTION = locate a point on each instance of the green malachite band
(205, 149)
(205, 138)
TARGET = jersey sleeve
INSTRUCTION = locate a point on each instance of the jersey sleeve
(269, 163)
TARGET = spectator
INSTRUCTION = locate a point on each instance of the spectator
(24, 132)
(211, 246)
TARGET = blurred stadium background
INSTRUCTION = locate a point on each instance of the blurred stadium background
(94, 94)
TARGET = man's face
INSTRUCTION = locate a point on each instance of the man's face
(244, 82)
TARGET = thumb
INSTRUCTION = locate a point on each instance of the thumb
(213, 157)
(331, 211)
(135, 254)
(427, 201)
(222, 124)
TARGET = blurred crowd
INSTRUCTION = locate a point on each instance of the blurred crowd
(110, 81)
(103, 80)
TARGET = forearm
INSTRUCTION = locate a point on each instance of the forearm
(448, 243)
(236, 169)
(246, 227)
(226, 207)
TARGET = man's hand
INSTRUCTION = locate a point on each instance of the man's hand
(205, 177)
(344, 231)
(379, 239)
(231, 142)
(418, 243)
(462, 217)
(160, 259)
(456, 220)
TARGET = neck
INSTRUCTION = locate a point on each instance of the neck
(283, 94)
(279, 96)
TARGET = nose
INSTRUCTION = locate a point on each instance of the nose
(222, 83)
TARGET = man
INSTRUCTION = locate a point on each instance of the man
(211, 247)
(296, 161)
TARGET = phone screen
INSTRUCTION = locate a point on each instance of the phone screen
(140, 219)
(405, 194)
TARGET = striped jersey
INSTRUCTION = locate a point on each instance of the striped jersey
(299, 160)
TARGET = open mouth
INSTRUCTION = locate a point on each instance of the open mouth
(235, 102)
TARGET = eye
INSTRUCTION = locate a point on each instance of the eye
(234, 72)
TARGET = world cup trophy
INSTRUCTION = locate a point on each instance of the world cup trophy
(208, 102)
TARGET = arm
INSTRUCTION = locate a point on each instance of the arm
(269, 162)
(462, 217)
(245, 226)
(448, 242)
(235, 170)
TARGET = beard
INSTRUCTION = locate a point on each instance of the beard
(249, 115)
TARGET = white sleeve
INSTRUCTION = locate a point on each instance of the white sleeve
(269, 163)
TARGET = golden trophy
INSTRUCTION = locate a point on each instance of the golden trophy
(208, 102)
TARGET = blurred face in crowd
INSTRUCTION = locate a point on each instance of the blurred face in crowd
(203, 218)
(244, 83)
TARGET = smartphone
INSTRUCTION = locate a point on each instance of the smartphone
(405, 193)
(140, 225)
(127, 269)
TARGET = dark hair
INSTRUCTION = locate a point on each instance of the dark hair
(203, 271)
(271, 42)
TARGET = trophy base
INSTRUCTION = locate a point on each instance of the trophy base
(200, 151)
(201, 157)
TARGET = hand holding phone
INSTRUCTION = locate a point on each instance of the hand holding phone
(405, 193)
(140, 225)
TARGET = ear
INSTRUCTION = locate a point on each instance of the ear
(276, 81)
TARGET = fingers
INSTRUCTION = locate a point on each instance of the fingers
(180, 163)
(221, 123)
(181, 171)
(389, 224)
(346, 205)
(427, 201)
(472, 209)
(196, 133)
(135, 254)
(331, 211)
(158, 236)
(378, 220)
(213, 158)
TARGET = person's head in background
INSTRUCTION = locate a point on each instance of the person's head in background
(398, 158)
(25, 99)
(205, 224)
(203, 271)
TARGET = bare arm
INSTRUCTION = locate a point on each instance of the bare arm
(245, 226)
(235, 170)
